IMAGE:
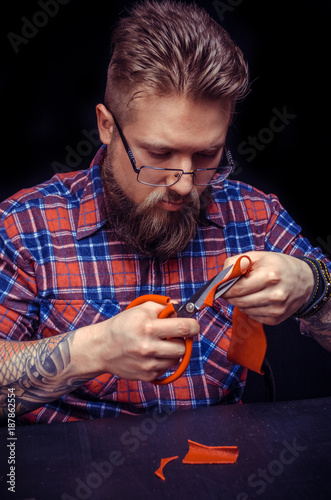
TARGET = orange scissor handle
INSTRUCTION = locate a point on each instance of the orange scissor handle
(160, 299)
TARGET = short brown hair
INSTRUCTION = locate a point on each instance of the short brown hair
(170, 48)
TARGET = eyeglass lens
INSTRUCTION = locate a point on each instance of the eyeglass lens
(167, 177)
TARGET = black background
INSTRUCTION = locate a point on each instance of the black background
(50, 87)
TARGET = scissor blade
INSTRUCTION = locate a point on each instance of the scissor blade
(209, 285)
(225, 287)
(197, 300)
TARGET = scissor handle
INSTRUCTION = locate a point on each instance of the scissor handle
(161, 299)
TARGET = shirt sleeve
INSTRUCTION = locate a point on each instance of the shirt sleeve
(19, 311)
(284, 235)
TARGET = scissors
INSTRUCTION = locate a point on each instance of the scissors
(205, 296)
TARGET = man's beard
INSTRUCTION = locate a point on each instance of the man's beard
(146, 228)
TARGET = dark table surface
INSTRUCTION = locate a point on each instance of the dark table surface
(284, 453)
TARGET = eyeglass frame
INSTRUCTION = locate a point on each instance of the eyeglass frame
(192, 172)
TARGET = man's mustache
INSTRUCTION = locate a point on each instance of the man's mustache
(190, 200)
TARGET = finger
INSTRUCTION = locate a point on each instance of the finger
(245, 286)
(174, 314)
(270, 313)
(160, 373)
(173, 349)
(244, 300)
(257, 280)
(176, 328)
(155, 368)
(244, 262)
(268, 320)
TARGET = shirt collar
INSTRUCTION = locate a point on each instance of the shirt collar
(92, 215)
(214, 216)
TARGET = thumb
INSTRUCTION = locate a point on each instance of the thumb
(245, 263)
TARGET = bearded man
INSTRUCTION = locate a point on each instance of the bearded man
(154, 214)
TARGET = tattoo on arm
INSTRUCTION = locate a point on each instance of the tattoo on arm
(320, 326)
(38, 370)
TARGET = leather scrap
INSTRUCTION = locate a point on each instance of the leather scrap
(202, 454)
(248, 343)
(164, 461)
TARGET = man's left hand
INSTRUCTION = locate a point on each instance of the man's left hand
(276, 287)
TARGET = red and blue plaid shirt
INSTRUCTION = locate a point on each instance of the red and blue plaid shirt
(61, 268)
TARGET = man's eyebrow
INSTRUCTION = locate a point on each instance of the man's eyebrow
(164, 146)
(155, 146)
(215, 147)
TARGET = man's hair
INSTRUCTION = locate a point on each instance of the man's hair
(166, 48)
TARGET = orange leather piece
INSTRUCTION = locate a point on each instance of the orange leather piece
(164, 461)
(202, 454)
(248, 343)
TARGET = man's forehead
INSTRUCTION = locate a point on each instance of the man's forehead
(177, 123)
(145, 99)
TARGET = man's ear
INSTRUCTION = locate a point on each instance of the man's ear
(105, 123)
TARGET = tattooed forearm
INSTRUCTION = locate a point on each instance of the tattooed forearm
(38, 370)
(319, 326)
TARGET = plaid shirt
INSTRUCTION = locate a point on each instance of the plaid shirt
(61, 268)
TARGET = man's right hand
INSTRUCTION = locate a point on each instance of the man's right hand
(137, 345)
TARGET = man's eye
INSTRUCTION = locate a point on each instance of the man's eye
(207, 155)
(158, 156)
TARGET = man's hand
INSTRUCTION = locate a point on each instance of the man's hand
(130, 345)
(137, 345)
(276, 287)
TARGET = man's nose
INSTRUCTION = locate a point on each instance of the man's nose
(185, 184)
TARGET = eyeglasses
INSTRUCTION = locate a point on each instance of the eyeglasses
(165, 177)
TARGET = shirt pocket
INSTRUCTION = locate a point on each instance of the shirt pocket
(61, 316)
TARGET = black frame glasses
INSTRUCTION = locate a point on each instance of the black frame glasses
(214, 175)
